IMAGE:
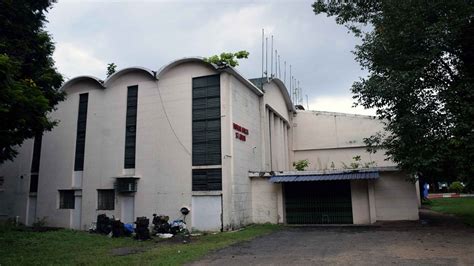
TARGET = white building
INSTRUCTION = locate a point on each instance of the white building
(197, 135)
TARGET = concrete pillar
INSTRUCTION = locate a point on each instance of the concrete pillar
(281, 204)
(371, 194)
(272, 140)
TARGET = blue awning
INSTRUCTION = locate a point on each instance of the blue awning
(325, 177)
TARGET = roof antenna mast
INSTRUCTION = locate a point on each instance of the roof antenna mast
(266, 57)
(279, 67)
(271, 60)
(263, 52)
(291, 85)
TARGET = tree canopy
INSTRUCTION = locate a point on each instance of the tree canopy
(29, 81)
(420, 59)
(111, 69)
(227, 58)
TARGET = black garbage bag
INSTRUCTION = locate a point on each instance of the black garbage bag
(118, 229)
(103, 225)
(141, 231)
(160, 224)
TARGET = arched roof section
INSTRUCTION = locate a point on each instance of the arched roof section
(227, 69)
(127, 70)
(284, 91)
(180, 61)
(75, 80)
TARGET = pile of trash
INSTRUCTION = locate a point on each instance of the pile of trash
(140, 229)
(165, 229)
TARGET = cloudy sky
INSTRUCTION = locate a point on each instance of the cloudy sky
(90, 34)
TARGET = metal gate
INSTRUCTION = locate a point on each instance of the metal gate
(320, 202)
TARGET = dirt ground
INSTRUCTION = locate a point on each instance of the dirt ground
(436, 239)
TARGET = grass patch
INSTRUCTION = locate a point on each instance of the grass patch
(75, 247)
(462, 207)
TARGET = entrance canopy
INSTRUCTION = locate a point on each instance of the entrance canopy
(304, 176)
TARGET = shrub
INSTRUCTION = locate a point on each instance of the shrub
(456, 187)
(301, 165)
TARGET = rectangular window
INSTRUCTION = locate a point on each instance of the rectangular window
(106, 199)
(2, 182)
(35, 163)
(66, 199)
(34, 183)
(207, 179)
(206, 121)
(131, 127)
(81, 132)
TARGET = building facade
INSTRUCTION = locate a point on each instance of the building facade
(201, 136)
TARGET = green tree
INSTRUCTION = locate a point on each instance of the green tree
(29, 81)
(420, 59)
(227, 58)
(111, 69)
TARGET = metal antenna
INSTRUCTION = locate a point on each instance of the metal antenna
(279, 67)
(271, 61)
(266, 57)
(263, 51)
(291, 85)
(307, 102)
(276, 63)
(299, 92)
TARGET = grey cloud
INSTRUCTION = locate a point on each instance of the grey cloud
(150, 34)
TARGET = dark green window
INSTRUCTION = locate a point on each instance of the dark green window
(66, 199)
(106, 199)
(35, 163)
(131, 127)
(81, 132)
(207, 179)
(206, 121)
(36, 154)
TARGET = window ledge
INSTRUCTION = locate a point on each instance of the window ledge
(207, 193)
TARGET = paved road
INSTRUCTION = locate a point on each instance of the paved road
(437, 240)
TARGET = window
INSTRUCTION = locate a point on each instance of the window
(207, 179)
(131, 127)
(2, 182)
(206, 121)
(81, 132)
(34, 183)
(106, 199)
(35, 163)
(36, 154)
(66, 199)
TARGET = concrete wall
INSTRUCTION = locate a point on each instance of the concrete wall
(276, 129)
(246, 155)
(395, 198)
(15, 189)
(330, 140)
(267, 201)
(360, 202)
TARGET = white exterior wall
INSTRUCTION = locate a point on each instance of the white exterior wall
(246, 155)
(277, 130)
(15, 190)
(266, 198)
(360, 202)
(395, 197)
(324, 138)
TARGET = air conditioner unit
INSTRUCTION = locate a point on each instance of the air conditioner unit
(126, 184)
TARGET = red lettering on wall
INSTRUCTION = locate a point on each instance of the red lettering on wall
(240, 130)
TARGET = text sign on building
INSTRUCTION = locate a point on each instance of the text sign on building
(241, 132)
